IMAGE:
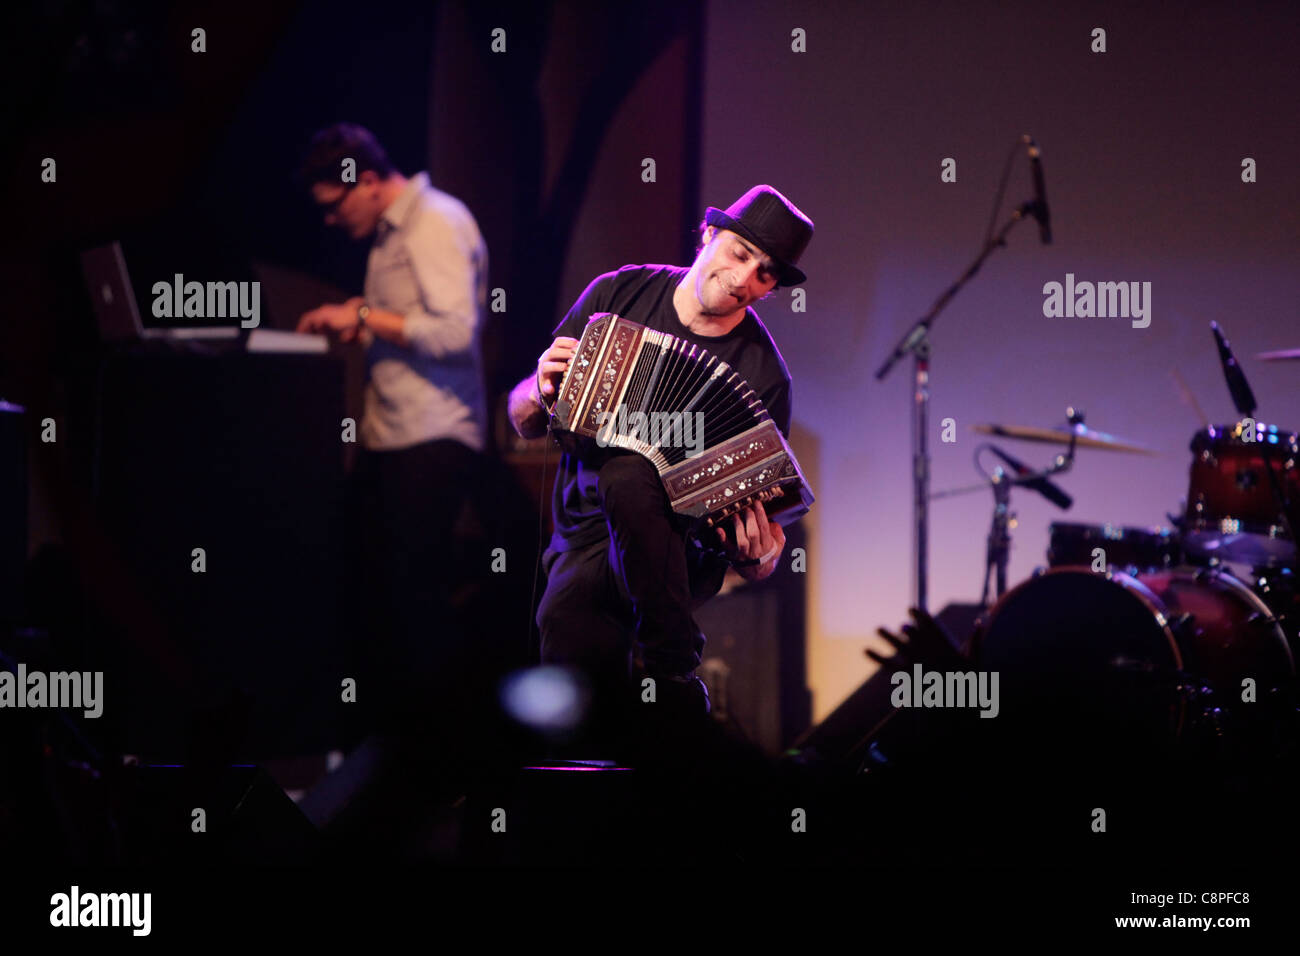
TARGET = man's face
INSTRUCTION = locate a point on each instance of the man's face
(732, 273)
(352, 208)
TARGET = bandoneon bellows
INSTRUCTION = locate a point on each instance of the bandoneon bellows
(623, 372)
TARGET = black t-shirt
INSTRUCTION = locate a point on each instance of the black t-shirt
(644, 294)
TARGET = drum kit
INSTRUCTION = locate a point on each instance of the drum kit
(1181, 634)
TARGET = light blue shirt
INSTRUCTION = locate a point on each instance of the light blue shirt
(428, 263)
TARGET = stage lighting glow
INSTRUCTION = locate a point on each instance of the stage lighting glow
(545, 698)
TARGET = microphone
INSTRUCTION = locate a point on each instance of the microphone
(1242, 396)
(1047, 489)
(1040, 192)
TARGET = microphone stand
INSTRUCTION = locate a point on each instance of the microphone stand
(999, 541)
(917, 342)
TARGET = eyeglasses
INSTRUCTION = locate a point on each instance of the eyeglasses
(329, 208)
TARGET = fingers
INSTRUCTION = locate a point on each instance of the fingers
(550, 380)
(742, 539)
(754, 534)
(553, 362)
(559, 352)
(764, 528)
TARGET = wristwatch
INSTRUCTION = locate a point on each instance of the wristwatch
(363, 313)
(752, 562)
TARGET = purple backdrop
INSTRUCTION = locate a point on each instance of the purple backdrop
(1142, 147)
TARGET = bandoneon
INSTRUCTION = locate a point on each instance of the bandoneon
(712, 440)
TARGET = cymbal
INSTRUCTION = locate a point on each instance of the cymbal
(1281, 356)
(1085, 437)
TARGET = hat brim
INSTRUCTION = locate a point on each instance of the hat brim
(786, 273)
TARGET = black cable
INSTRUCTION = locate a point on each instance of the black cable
(1002, 188)
(541, 523)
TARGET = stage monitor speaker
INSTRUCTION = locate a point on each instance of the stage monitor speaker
(755, 656)
(847, 732)
(247, 818)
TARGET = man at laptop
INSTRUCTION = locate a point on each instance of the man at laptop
(423, 425)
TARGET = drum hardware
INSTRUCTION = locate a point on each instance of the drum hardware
(998, 552)
(1276, 588)
(998, 548)
(1075, 434)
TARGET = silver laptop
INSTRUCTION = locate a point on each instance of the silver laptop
(115, 307)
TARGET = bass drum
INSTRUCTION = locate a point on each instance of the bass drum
(1228, 634)
(1134, 661)
(1084, 656)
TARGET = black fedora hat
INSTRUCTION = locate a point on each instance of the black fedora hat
(771, 222)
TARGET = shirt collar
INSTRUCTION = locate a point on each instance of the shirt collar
(397, 211)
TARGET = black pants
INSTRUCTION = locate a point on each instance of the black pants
(406, 504)
(633, 591)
